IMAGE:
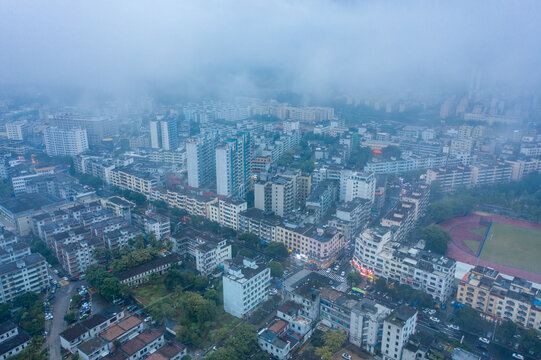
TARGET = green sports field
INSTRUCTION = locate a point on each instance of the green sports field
(515, 246)
(473, 245)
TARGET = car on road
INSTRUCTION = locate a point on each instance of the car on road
(346, 356)
(435, 319)
(518, 356)
(484, 340)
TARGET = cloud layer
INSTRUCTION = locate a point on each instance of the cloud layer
(229, 47)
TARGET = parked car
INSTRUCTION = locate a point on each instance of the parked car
(273, 291)
(518, 356)
(434, 319)
(346, 356)
(484, 340)
(453, 327)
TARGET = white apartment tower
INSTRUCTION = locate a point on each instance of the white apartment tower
(201, 159)
(361, 184)
(234, 166)
(164, 134)
(59, 142)
(17, 130)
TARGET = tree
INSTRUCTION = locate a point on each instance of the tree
(441, 210)
(249, 239)
(187, 279)
(154, 276)
(160, 204)
(436, 239)
(246, 252)
(354, 278)
(200, 283)
(178, 212)
(277, 250)
(213, 296)
(243, 341)
(110, 288)
(39, 246)
(468, 319)
(5, 311)
(276, 269)
(506, 331)
(70, 317)
(26, 300)
(530, 340)
(76, 300)
(117, 344)
(380, 284)
(172, 279)
(333, 341)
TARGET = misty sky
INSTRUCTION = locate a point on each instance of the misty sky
(312, 46)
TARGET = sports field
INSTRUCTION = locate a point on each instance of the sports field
(473, 245)
(515, 246)
(512, 246)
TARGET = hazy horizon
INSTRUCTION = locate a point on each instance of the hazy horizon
(317, 48)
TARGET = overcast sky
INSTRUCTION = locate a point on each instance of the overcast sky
(312, 46)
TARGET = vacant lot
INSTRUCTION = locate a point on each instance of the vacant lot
(515, 246)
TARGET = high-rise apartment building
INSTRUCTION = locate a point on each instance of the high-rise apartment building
(201, 159)
(17, 130)
(59, 142)
(277, 195)
(234, 165)
(164, 134)
(97, 127)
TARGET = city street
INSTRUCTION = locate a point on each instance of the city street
(59, 307)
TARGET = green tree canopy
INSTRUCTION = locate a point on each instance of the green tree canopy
(172, 279)
(277, 250)
(354, 278)
(436, 239)
(277, 270)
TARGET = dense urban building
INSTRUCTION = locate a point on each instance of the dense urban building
(487, 291)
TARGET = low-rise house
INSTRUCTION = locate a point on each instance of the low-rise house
(86, 329)
(143, 344)
(141, 273)
(12, 340)
(124, 331)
